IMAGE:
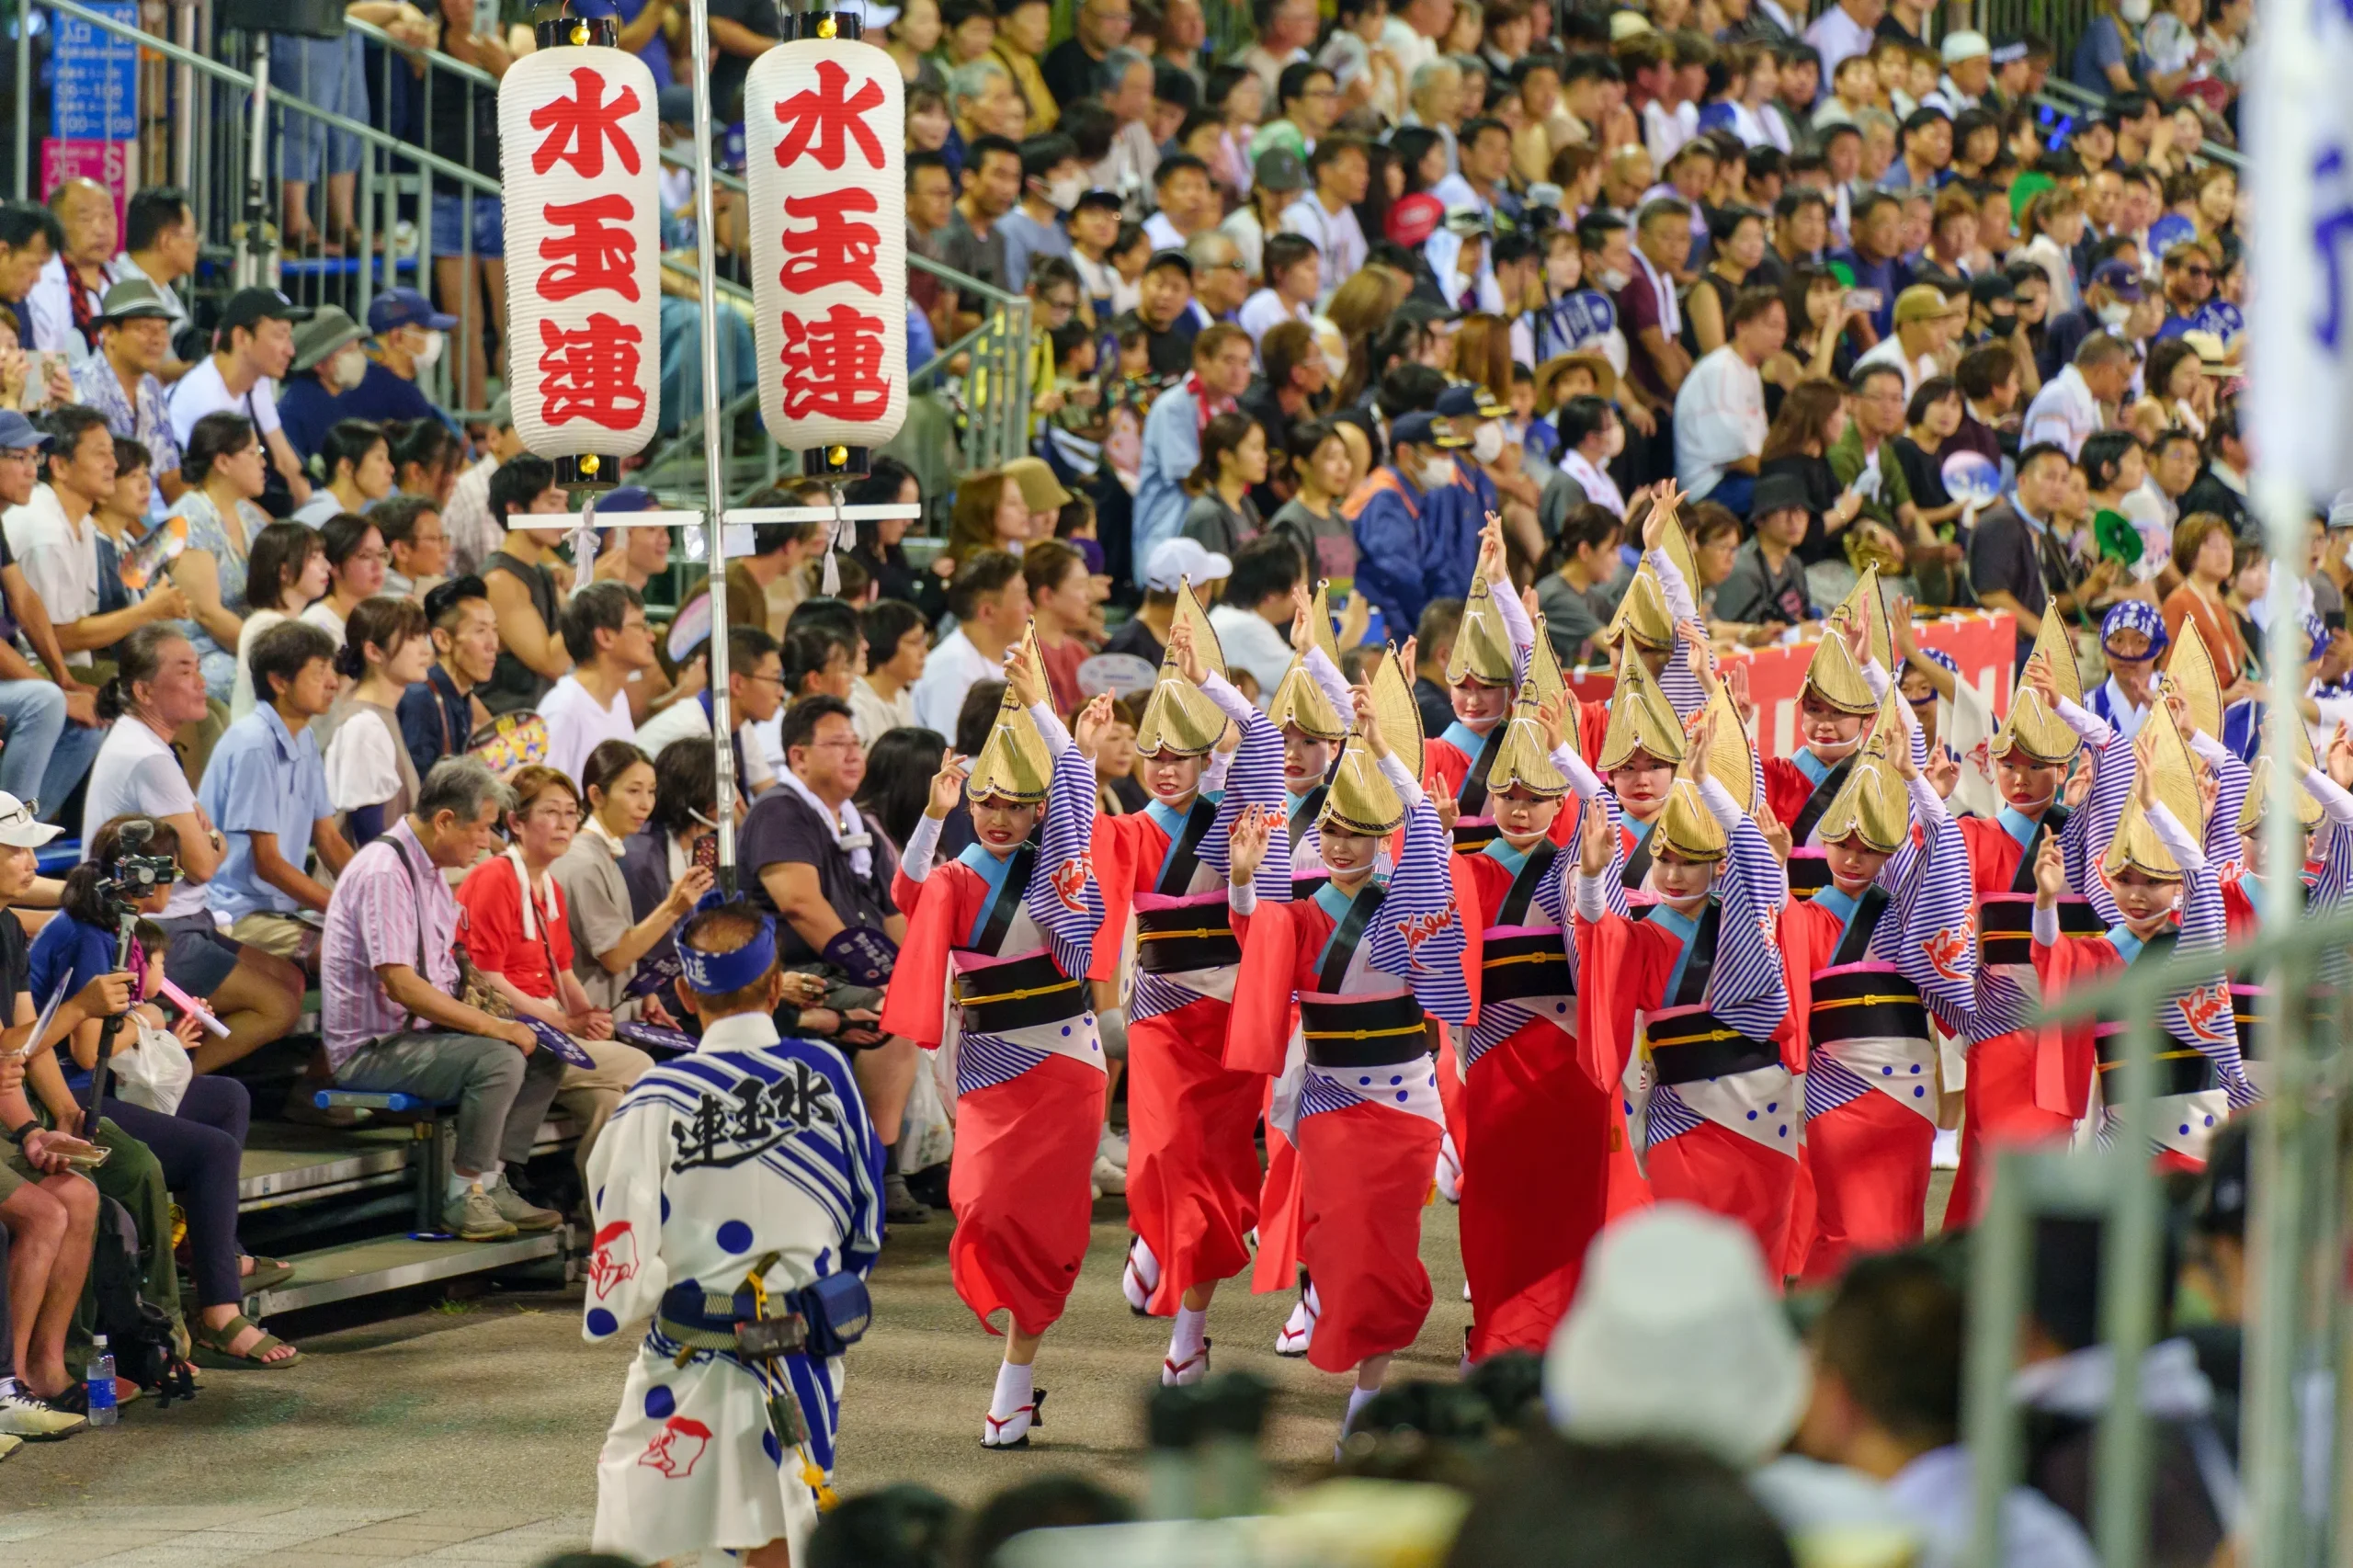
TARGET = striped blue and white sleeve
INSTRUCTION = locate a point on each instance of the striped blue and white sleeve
(2231, 778)
(1748, 988)
(1065, 896)
(1419, 935)
(1254, 779)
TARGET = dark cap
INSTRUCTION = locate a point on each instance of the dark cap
(628, 498)
(1464, 401)
(1174, 258)
(249, 307)
(405, 307)
(1279, 169)
(1777, 493)
(1417, 429)
(134, 299)
(2120, 278)
(17, 432)
(675, 104)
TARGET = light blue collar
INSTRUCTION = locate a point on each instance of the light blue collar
(992, 871)
(2018, 824)
(1640, 829)
(2128, 947)
(1684, 927)
(1464, 739)
(1504, 855)
(1812, 767)
(1840, 904)
(1171, 820)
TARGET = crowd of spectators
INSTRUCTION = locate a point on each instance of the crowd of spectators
(1304, 310)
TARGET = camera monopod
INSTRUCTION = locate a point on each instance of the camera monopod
(131, 838)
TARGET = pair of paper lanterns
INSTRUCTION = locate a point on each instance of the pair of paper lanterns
(825, 133)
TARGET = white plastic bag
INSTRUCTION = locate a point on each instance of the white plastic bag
(153, 1070)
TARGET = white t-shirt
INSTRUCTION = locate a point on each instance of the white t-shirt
(136, 774)
(322, 616)
(2064, 412)
(362, 768)
(202, 392)
(240, 691)
(1263, 311)
(577, 724)
(1338, 237)
(1249, 644)
(1719, 419)
(685, 720)
(948, 675)
(59, 561)
(1888, 351)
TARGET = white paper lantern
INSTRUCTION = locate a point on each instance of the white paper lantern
(578, 148)
(824, 130)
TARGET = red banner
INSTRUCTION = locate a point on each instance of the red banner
(1983, 644)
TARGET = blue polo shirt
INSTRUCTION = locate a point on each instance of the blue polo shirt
(261, 779)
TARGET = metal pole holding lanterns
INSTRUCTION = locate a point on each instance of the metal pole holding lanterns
(714, 468)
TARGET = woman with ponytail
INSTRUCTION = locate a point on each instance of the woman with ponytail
(158, 685)
(388, 646)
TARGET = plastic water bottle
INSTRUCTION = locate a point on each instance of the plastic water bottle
(101, 1383)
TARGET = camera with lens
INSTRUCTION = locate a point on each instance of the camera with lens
(135, 876)
(1540, 212)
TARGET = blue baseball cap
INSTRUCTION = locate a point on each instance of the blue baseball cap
(17, 432)
(405, 307)
(628, 498)
(1417, 428)
(1463, 401)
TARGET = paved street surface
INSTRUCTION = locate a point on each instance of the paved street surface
(466, 1432)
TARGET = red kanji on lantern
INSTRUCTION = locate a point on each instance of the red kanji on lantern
(817, 122)
(599, 252)
(580, 127)
(838, 249)
(591, 374)
(833, 365)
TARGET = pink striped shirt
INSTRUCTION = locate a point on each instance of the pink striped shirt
(373, 921)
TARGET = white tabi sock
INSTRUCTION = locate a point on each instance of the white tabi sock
(1185, 1339)
(1013, 1386)
(1357, 1400)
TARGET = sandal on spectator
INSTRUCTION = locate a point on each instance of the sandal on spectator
(212, 1346)
(267, 1274)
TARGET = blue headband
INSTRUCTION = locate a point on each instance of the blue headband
(716, 975)
(2134, 614)
(1942, 660)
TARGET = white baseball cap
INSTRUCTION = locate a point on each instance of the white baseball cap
(1676, 1335)
(19, 829)
(1964, 44)
(1174, 560)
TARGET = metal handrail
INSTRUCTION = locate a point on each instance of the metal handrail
(2068, 98)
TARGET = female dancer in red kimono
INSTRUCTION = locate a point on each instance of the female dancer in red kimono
(1306, 710)
(1699, 987)
(1884, 943)
(1193, 1175)
(1544, 1137)
(2032, 751)
(2171, 906)
(1363, 959)
(1834, 706)
(1014, 919)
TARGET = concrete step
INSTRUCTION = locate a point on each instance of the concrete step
(395, 1263)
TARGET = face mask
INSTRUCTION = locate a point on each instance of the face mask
(1614, 441)
(1487, 446)
(1063, 193)
(1611, 280)
(1436, 473)
(432, 349)
(2002, 326)
(2113, 317)
(350, 369)
(2135, 12)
